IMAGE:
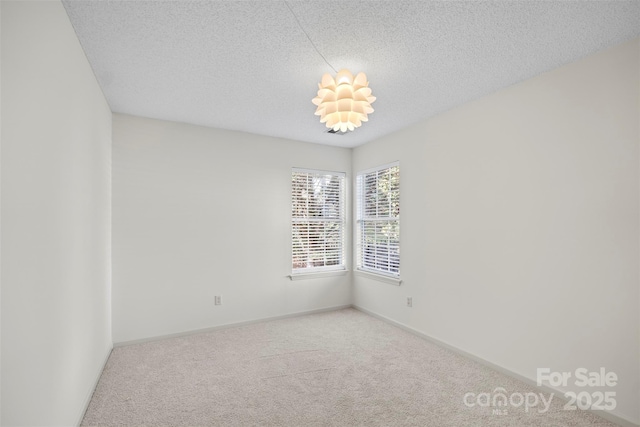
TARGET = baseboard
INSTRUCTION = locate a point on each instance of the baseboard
(87, 399)
(229, 325)
(545, 389)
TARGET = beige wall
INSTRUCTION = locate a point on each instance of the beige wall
(56, 151)
(519, 224)
(200, 212)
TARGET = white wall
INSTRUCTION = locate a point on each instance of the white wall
(520, 224)
(56, 134)
(200, 212)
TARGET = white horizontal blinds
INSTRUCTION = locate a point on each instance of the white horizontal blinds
(317, 226)
(379, 220)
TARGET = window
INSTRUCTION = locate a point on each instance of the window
(317, 221)
(378, 192)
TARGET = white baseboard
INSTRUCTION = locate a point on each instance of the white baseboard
(229, 325)
(87, 399)
(609, 416)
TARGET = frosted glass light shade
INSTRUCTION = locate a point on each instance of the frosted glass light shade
(344, 102)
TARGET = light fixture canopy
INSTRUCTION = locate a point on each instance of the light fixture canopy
(344, 102)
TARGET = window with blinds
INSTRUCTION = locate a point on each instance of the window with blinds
(378, 216)
(317, 220)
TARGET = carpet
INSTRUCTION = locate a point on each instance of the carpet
(339, 368)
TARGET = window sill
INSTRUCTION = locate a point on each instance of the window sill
(318, 275)
(379, 277)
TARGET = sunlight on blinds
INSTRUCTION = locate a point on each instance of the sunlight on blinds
(318, 220)
(378, 211)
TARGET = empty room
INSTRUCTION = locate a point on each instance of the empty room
(320, 213)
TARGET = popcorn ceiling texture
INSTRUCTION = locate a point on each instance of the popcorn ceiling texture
(246, 65)
(341, 368)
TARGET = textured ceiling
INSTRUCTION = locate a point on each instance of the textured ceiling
(248, 66)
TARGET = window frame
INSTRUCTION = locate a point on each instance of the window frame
(341, 219)
(362, 221)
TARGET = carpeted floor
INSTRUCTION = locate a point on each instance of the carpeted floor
(340, 368)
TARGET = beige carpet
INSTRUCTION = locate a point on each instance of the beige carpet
(341, 368)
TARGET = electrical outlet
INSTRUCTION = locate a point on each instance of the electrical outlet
(409, 301)
(218, 300)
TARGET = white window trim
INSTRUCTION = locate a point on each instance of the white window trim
(326, 271)
(317, 275)
(377, 168)
(392, 280)
(359, 271)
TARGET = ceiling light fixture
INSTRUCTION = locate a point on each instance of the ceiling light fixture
(344, 102)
